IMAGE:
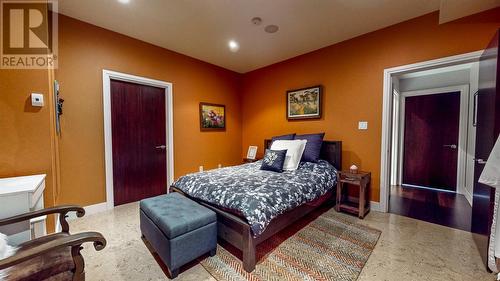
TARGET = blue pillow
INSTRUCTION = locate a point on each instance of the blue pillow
(313, 146)
(284, 137)
(273, 160)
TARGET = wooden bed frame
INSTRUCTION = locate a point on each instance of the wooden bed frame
(236, 230)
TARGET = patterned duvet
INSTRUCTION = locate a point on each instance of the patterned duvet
(259, 195)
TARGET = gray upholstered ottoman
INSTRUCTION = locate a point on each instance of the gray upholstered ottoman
(179, 229)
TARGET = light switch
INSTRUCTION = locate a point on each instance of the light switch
(363, 125)
(36, 99)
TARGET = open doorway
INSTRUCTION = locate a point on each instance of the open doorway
(430, 152)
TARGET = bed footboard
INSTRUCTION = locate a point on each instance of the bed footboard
(238, 233)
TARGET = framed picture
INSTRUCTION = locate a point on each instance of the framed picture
(303, 103)
(212, 117)
(252, 152)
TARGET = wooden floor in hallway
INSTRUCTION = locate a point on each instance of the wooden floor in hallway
(439, 207)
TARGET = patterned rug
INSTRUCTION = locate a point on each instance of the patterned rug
(331, 247)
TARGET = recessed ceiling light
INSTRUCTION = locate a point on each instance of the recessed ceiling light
(233, 46)
(124, 1)
(271, 28)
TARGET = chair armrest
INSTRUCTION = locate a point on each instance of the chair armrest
(61, 210)
(74, 241)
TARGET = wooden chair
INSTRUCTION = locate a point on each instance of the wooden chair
(52, 257)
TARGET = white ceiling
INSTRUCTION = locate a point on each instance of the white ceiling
(202, 29)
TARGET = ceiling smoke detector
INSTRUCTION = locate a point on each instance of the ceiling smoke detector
(271, 28)
(256, 21)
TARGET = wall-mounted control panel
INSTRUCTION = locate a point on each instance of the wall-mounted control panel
(37, 99)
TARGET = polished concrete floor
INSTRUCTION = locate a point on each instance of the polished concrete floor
(408, 249)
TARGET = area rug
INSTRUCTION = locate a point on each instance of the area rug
(333, 246)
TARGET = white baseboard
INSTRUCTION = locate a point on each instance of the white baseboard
(101, 207)
(89, 210)
(375, 206)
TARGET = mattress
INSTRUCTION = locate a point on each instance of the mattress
(256, 195)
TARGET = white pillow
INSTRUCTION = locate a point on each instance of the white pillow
(294, 151)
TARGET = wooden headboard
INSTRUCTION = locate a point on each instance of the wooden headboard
(331, 151)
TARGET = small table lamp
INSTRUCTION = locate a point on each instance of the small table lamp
(491, 173)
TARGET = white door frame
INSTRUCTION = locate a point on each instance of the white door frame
(389, 73)
(463, 90)
(396, 133)
(107, 76)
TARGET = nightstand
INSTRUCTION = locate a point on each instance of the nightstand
(359, 206)
(247, 160)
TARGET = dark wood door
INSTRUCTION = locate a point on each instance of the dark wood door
(139, 141)
(487, 110)
(431, 140)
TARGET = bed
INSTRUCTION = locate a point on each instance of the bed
(244, 218)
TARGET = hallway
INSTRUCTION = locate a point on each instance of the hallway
(439, 207)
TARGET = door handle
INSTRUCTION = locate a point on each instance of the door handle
(452, 146)
(479, 161)
(161, 147)
(474, 109)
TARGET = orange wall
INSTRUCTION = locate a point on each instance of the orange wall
(352, 75)
(27, 143)
(25, 135)
(84, 51)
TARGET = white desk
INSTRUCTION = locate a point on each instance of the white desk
(19, 195)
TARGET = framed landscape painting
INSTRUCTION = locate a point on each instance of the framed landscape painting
(212, 117)
(303, 103)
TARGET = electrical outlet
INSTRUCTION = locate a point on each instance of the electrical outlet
(363, 125)
(201, 169)
(219, 166)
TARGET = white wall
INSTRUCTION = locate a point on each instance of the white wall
(395, 147)
(471, 138)
(438, 80)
